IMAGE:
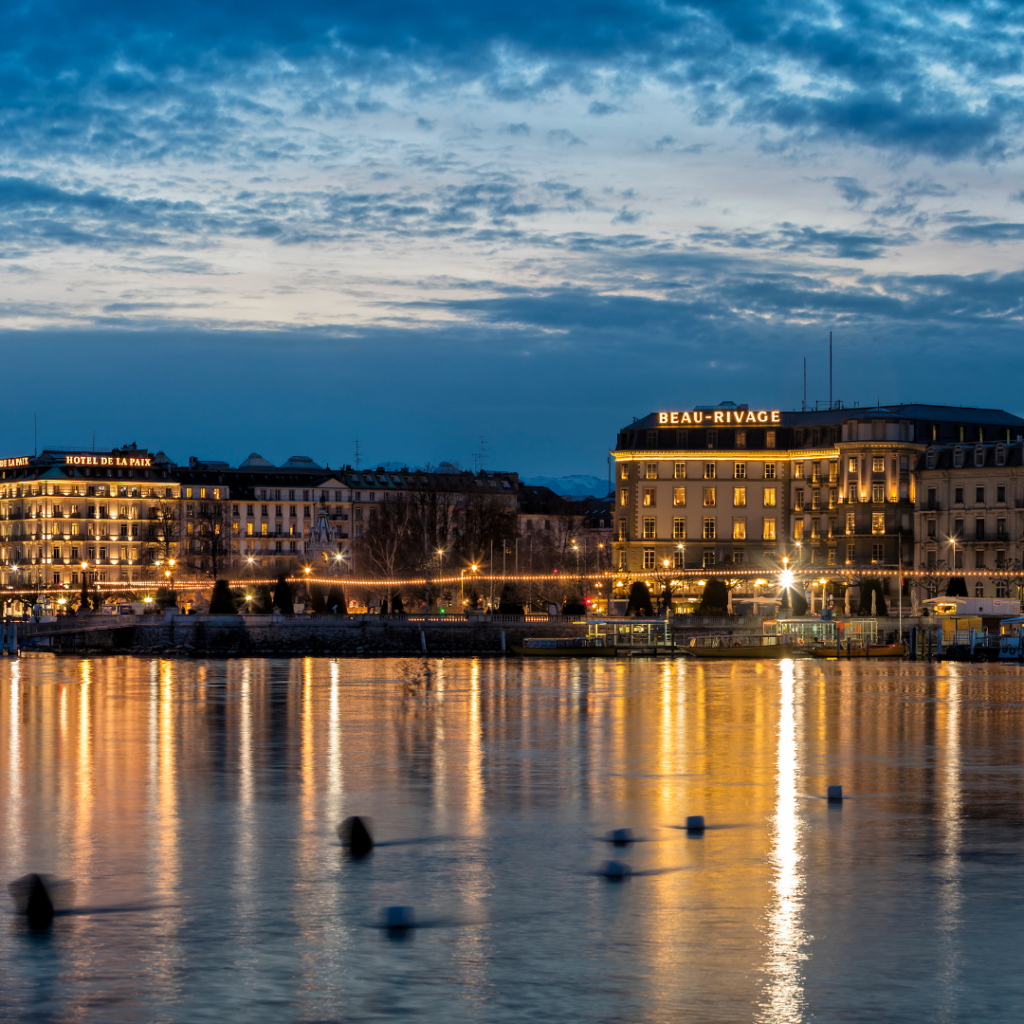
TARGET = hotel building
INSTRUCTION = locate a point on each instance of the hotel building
(731, 485)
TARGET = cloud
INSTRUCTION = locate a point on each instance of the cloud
(519, 128)
(793, 238)
(852, 191)
(990, 232)
(597, 109)
(562, 136)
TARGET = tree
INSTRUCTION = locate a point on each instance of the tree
(221, 600)
(335, 600)
(317, 599)
(956, 587)
(715, 599)
(263, 604)
(208, 536)
(165, 598)
(164, 531)
(639, 603)
(283, 597)
(574, 606)
(510, 603)
(793, 602)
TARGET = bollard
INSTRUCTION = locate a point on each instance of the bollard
(695, 823)
(616, 870)
(503, 641)
(423, 641)
(622, 836)
(835, 794)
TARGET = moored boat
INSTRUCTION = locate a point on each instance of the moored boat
(566, 647)
(870, 651)
(739, 645)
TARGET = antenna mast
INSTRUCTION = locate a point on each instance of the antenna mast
(357, 453)
(830, 369)
(805, 385)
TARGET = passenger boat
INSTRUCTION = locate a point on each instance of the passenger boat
(869, 651)
(566, 647)
(739, 645)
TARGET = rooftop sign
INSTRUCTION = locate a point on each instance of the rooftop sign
(21, 460)
(125, 461)
(697, 417)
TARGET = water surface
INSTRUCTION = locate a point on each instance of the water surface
(213, 790)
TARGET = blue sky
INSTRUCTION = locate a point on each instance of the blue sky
(228, 227)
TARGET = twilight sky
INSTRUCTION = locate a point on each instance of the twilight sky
(229, 226)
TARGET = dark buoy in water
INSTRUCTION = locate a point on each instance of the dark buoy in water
(616, 870)
(835, 794)
(399, 918)
(621, 836)
(695, 823)
(33, 900)
(355, 835)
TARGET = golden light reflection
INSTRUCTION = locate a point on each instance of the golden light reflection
(950, 800)
(15, 782)
(784, 1002)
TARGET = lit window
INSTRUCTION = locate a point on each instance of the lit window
(851, 522)
(739, 528)
(798, 529)
(768, 531)
(649, 497)
(648, 558)
(739, 470)
(248, 529)
(652, 471)
(625, 471)
(623, 496)
(679, 529)
(850, 550)
(679, 560)
(709, 497)
(709, 558)
(878, 522)
(679, 496)
(769, 497)
(769, 439)
(878, 464)
(649, 529)
(622, 529)
(709, 471)
(741, 439)
(877, 553)
(680, 471)
(878, 493)
(798, 499)
(708, 532)
(769, 471)
(739, 497)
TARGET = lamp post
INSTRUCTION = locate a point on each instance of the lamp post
(462, 591)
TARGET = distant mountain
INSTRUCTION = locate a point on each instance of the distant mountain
(576, 486)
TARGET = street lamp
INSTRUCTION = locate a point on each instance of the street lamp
(462, 591)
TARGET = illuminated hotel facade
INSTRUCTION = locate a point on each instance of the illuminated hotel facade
(732, 485)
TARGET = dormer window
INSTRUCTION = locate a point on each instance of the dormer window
(930, 459)
(1000, 456)
(958, 458)
(979, 456)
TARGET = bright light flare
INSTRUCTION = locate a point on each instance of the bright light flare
(786, 578)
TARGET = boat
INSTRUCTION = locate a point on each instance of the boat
(739, 645)
(869, 651)
(566, 647)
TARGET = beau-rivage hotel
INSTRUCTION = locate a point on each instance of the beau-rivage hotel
(732, 485)
(123, 515)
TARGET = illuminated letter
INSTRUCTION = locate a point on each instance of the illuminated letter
(686, 418)
(718, 416)
(698, 417)
(751, 418)
(762, 417)
(776, 416)
(674, 418)
(663, 417)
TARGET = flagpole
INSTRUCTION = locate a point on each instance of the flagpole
(899, 582)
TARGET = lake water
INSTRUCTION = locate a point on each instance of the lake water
(209, 794)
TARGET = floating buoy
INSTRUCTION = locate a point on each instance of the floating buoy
(33, 900)
(835, 794)
(695, 823)
(616, 870)
(355, 836)
(399, 917)
(621, 836)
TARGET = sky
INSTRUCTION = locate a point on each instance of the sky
(229, 227)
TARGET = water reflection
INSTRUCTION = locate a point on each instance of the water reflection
(216, 788)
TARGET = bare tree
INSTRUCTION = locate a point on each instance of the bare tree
(207, 536)
(164, 531)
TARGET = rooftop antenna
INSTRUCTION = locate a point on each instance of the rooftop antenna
(357, 453)
(804, 407)
(35, 433)
(483, 451)
(830, 369)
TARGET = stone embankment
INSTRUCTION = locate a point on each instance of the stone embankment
(276, 636)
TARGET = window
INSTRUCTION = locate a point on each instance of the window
(878, 522)
(739, 528)
(878, 464)
(679, 529)
(739, 470)
(958, 527)
(1001, 529)
(709, 497)
(769, 497)
(263, 510)
(979, 456)
(291, 511)
(708, 531)
(816, 436)
(853, 494)
(1000, 456)
(877, 552)
(652, 439)
(624, 474)
(679, 496)
(712, 438)
(1000, 495)
(680, 471)
(1002, 590)
(878, 493)
(769, 439)
(816, 498)
(248, 529)
(979, 589)
(930, 458)
(850, 553)
(768, 529)
(679, 559)
(277, 509)
(931, 527)
(958, 559)
(798, 499)
(622, 529)
(798, 471)
(958, 458)
(833, 497)
(682, 438)
(741, 439)
(1000, 558)
(737, 556)
(623, 496)
(979, 529)
(798, 436)
(648, 558)
(708, 560)
(709, 471)
(651, 473)
(815, 473)
(798, 529)
(649, 533)
(739, 497)
(769, 471)
(979, 495)
(958, 496)
(649, 497)
(833, 472)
